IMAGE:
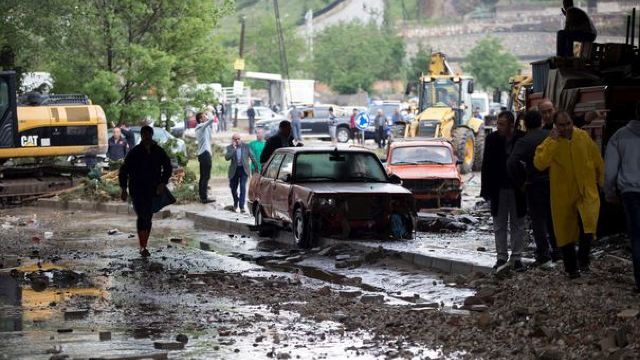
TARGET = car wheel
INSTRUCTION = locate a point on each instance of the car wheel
(264, 230)
(301, 231)
(343, 134)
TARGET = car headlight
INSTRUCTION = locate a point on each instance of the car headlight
(326, 202)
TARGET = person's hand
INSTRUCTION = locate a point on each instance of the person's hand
(124, 195)
(554, 134)
(613, 199)
(161, 188)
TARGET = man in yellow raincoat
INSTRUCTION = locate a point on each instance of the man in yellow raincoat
(576, 169)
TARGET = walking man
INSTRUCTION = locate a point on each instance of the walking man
(622, 180)
(547, 110)
(508, 206)
(241, 158)
(536, 187)
(294, 116)
(354, 129)
(282, 138)
(333, 123)
(251, 115)
(203, 136)
(380, 122)
(118, 147)
(256, 147)
(145, 172)
(575, 171)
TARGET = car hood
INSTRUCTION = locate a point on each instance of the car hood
(424, 171)
(337, 188)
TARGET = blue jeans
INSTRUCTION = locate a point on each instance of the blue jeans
(631, 201)
(240, 178)
(297, 129)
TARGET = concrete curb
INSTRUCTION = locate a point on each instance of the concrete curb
(107, 207)
(449, 266)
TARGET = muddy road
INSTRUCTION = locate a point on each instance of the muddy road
(72, 285)
(72, 278)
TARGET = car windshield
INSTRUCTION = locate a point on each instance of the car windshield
(421, 155)
(339, 167)
(386, 108)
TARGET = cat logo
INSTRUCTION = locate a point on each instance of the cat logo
(31, 140)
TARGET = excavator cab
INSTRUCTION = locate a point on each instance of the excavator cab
(8, 117)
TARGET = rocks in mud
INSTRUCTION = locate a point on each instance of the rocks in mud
(324, 291)
(350, 294)
(375, 299)
(430, 223)
(294, 259)
(628, 314)
(339, 316)
(182, 338)
(156, 267)
(473, 300)
(168, 345)
(348, 261)
(484, 320)
(351, 281)
(104, 335)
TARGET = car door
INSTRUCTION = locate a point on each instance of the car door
(307, 122)
(282, 189)
(265, 185)
(321, 122)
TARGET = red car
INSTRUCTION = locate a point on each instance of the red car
(343, 193)
(429, 169)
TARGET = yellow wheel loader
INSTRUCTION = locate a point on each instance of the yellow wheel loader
(444, 111)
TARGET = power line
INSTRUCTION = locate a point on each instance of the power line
(284, 64)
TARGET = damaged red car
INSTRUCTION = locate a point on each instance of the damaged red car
(330, 192)
(429, 169)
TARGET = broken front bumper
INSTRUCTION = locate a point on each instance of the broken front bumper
(430, 193)
(364, 216)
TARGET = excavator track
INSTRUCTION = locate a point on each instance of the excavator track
(22, 183)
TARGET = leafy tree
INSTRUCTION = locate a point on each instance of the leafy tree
(351, 56)
(491, 64)
(129, 56)
(418, 65)
(262, 46)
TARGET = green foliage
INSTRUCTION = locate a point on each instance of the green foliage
(129, 56)
(418, 64)
(491, 64)
(352, 56)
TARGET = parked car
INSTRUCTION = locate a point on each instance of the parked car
(315, 123)
(262, 113)
(160, 136)
(342, 193)
(429, 169)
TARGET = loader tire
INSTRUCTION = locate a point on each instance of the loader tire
(464, 145)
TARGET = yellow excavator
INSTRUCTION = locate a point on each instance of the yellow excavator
(57, 125)
(42, 128)
(444, 111)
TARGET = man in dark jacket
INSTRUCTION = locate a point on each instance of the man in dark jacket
(251, 115)
(128, 135)
(118, 146)
(578, 27)
(146, 172)
(282, 138)
(508, 206)
(536, 185)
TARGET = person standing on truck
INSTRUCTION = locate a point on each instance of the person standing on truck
(536, 188)
(294, 116)
(576, 169)
(622, 182)
(508, 205)
(547, 110)
(118, 146)
(578, 27)
(145, 172)
(203, 137)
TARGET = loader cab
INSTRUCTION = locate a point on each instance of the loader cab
(447, 92)
(8, 112)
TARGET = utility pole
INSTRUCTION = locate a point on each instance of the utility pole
(239, 71)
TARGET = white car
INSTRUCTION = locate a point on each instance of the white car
(262, 113)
